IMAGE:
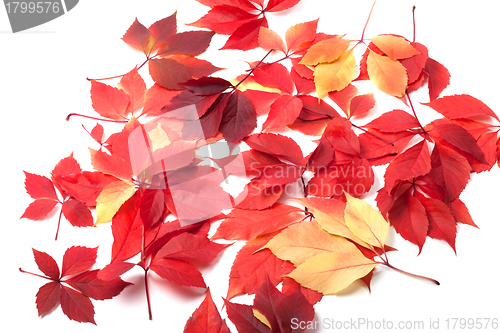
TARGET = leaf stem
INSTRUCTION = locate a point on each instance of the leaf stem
(94, 118)
(368, 20)
(45, 277)
(415, 114)
(118, 76)
(253, 69)
(147, 293)
(375, 135)
(413, 13)
(386, 263)
(59, 223)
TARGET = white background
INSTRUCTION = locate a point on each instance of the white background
(43, 78)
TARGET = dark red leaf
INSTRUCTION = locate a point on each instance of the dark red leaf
(196, 67)
(317, 106)
(77, 306)
(239, 118)
(161, 30)
(207, 86)
(78, 259)
(442, 224)
(243, 318)
(48, 297)
(290, 286)
(46, 264)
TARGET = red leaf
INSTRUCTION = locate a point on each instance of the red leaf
(77, 213)
(284, 112)
(275, 75)
(179, 272)
(415, 64)
(156, 98)
(302, 85)
(461, 213)
(290, 286)
(279, 5)
(77, 306)
(152, 207)
(442, 224)
(261, 100)
(341, 136)
(68, 165)
(277, 145)
(91, 286)
(127, 230)
(458, 137)
(243, 318)
(137, 36)
(205, 86)
(39, 209)
(379, 150)
(300, 34)
(439, 78)
(460, 106)
(317, 106)
(246, 37)
(78, 259)
(46, 264)
(114, 270)
(394, 121)
(206, 318)
(270, 40)
(412, 163)
(208, 125)
(168, 73)
(108, 101)
(254, 197)
(242, 224)
(250, 268)
(408, 217)
(343, 97)
(189, 43)
(48, 297)
(161, 30)
(39, 187)
(189, 246)
(239, 118)
(488, 144)
(97, 133)
(450, 170)
(243, 4)
(224, 19)
(135, 87)
(361, 104)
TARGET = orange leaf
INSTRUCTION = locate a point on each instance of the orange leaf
(325, 51)
(386, 74)
(300, 33)
(270, 40)
(395, 47)
(335, 76)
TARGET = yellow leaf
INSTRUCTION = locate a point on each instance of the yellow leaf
(329, 213)
(386, 74)
(365, 222)
(111, 198)
(261, 318)
(327, 50)
(159, 138)
(395, 47)
(304, 240)
(332, 272)
(336, 75)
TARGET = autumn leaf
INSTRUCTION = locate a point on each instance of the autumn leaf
(336, 75)
(394, 47)
(386, 74)
(206, 318)
(325, 51)
(111, 198)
